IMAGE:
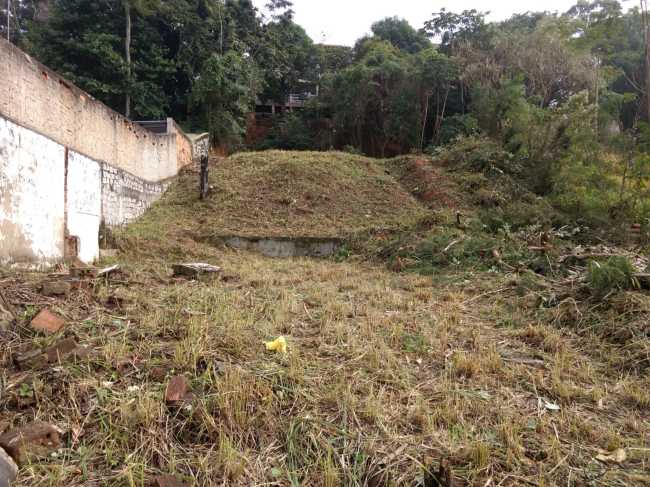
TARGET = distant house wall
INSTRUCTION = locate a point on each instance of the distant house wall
(69, 163)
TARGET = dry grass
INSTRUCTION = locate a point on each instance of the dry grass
(277, 193)
(377, 381)
(385, 373)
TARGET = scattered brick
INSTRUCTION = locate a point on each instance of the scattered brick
(8, 469)
(56, 288)
(47, 322)
(168, 481)
(35, 439)
(176, 390)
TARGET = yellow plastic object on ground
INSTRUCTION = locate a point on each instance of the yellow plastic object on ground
(277, 345)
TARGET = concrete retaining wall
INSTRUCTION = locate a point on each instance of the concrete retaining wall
(32, 210)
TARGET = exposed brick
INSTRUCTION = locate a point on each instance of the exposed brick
(47, 322)
(168, 481)
(176, 389)
(33, 440)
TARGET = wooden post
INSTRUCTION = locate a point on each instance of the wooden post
(204, 177)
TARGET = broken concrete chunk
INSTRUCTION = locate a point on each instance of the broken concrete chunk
(56, 288)
(34, 359)
(47, 322)
(60, 351)
(195, 270)
(176, 390)
(168, 481)
(8, 469)
(33, 440)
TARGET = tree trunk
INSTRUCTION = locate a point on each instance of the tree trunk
(424, 122)
(127, 55)
(646, 33)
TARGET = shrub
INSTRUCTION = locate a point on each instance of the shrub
(616, 274)
(457, 126)
(479, 154)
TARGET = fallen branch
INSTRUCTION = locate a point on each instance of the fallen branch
(455, 242)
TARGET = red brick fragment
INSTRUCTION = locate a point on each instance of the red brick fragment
(168, 481)
(47, 322)
(35, 439)
(176, 389)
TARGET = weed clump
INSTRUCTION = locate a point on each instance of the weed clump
(616, 274)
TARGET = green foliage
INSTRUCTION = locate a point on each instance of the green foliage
(458, 126)
(332, 59)
(449, 248)
(373, 101)
(226, 91)
(290, 132)
(400, 34)
(478, 154)
(285, 56)
(454, 28)
(616, 274)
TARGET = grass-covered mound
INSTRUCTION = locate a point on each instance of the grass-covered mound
(282, 194)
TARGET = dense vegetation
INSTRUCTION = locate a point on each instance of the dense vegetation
(557, 103)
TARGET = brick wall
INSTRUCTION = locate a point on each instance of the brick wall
(69, 163)
(37, 98)
(125, 197)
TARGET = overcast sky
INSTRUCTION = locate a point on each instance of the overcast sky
(344, 21)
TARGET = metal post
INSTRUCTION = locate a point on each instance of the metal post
(8, 17)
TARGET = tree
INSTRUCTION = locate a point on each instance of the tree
(141, 7)
(400, 34)
(281, 10)
(436, 74)
(453, 28)
(285, 55)
(225, 91)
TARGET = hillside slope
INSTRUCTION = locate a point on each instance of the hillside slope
(285, 194)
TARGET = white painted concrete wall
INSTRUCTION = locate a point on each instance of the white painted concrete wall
(33, 198)
(84, 204)
(32, 176)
